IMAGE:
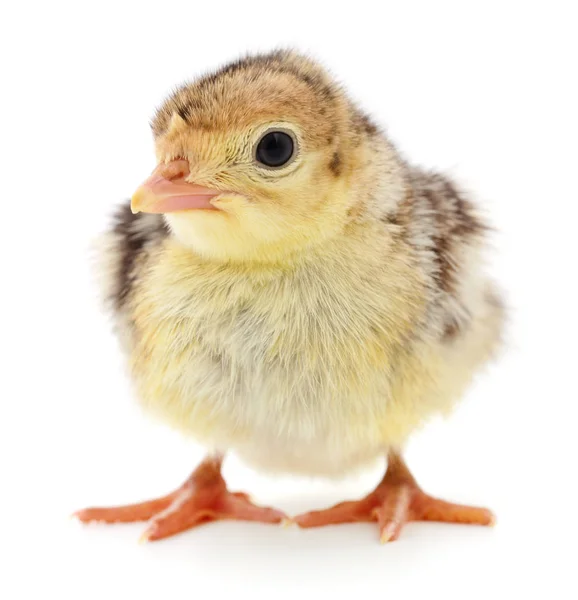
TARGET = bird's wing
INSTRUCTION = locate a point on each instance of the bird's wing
(123, 251)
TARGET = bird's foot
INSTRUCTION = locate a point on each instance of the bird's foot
(396, 500)
(203, 497)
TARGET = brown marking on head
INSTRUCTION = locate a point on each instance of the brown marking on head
(363, 124)
(335, 164)
(332, 134)
(216, 124)
(182, 112)
(272, 87)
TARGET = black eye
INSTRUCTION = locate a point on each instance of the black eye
(275, 149)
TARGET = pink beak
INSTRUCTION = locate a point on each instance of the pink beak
(167, 191)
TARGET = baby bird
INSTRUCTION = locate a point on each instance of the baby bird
(287, 287)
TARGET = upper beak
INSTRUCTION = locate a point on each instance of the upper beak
(167, 191)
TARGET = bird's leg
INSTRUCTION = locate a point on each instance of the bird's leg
(203, 497)
(396, 500)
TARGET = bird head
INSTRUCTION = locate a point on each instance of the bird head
(256, 161)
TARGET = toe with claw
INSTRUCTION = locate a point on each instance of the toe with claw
(396, 501)
(203, 497)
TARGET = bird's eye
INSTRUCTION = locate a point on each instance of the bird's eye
(275, 149)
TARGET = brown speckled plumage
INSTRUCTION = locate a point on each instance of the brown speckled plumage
(340, 308)
(134, 235)
(312, 315)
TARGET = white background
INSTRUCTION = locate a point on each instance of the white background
(484, 91)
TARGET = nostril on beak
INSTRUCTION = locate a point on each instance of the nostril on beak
(175, 169)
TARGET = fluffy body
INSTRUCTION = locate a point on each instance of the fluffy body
(309, 336)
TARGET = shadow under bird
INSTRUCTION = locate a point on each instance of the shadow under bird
(287, 287)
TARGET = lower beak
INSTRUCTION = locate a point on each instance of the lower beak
(167, 191)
